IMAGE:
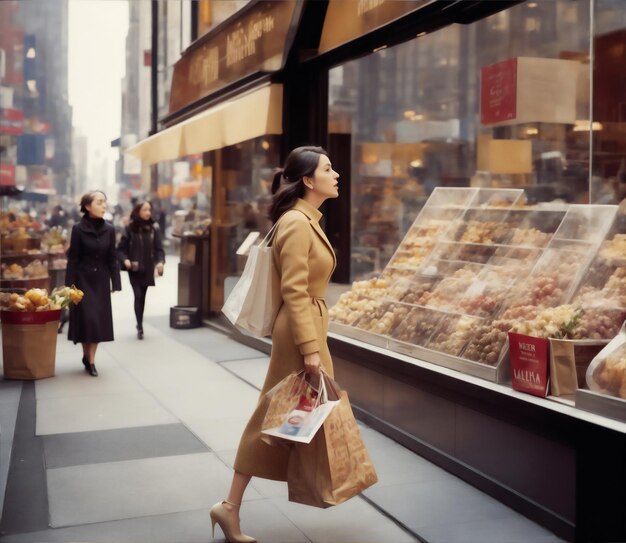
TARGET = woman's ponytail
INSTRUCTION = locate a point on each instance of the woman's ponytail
(287, 185)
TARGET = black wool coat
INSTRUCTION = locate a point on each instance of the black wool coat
(92, 266)
(142, 244)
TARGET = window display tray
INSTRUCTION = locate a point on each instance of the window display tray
(500, 373)
(601, 404)
(357, 333)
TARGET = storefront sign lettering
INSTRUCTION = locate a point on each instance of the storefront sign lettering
(254, 41)
(204, 69)
(241, 44)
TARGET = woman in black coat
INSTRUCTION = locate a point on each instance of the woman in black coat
(92, 266)
(141, 251)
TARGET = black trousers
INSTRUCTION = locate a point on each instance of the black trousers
(139, 291)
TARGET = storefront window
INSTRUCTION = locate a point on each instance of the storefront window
(608, 181)
(504, 102)
(241, 198)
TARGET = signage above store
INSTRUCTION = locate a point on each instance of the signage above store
(348, 20)
(256, 40)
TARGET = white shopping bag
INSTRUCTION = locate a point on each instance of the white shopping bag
(250, 304)
(302, 423)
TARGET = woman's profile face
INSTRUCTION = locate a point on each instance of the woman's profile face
(98, 206)
(145, 211)
(325, 179)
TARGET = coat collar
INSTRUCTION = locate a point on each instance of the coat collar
(314, 215)
(88, 226)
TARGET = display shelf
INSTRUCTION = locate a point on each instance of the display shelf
(601, 404)
(484, 266)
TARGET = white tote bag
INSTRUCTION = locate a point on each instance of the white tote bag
(250, 304)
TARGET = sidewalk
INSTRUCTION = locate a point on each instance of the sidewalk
(140, 453)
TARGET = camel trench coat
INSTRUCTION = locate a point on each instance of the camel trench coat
(303, 263)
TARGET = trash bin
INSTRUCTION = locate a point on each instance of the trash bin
(182, 317)
(29, 343)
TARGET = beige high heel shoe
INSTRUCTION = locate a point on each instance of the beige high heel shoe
(229, 522)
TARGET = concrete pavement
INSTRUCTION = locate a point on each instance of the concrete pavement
(140, 453)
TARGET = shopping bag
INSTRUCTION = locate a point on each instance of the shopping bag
(607, 372)
(281, 399)
(250, 305)
(302, 422)
(29, 340)
(335, 466)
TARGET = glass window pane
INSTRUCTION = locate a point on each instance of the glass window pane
(503, 102)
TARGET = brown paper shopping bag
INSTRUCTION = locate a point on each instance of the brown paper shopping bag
(29, 341)
(335, 466)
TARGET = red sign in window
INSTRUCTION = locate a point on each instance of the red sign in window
(7, 175)
(529, 363)
(498, 92)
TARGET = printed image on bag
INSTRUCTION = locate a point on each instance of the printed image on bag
(301, 423)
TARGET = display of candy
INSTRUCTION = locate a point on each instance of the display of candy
(384, 319)
(521, 312)
(485, 232)
(541, 290)
(486, 342)
(599, 324)
(529, 236)
(360, 298)
(452, 334)
(417, 326)
(556, 322)
(485, 304)
(614, 251)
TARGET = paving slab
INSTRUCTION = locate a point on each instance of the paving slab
(63, 450)
(136, 488)
(252, 371)
(99, 412)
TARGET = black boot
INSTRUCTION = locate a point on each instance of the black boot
(139, 331)
(86, 363)
(93, 371)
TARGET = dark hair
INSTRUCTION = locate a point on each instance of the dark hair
(134, 214)
(287, 185)
(88, 198)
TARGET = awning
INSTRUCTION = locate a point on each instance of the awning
(252, 115)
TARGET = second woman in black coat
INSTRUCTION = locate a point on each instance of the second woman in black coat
(92, 266)
(141, 251)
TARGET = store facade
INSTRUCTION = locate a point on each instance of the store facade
(411, 98)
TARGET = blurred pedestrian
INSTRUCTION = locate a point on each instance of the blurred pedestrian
(141, 252)
(58, 218)
(92, 266)
(303, 263)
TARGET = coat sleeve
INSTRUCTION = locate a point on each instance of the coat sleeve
(114, 268)
(73, 256)
(123, 247)
(159, 253)
(294, 243)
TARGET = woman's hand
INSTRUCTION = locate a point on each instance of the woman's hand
(127, 264)
(312, 363)
(159, 268)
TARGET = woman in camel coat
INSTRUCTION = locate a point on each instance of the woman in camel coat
(303, 264)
